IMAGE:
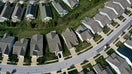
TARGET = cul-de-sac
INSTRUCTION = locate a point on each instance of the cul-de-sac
(65, 36)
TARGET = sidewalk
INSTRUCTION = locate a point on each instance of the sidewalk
(103, 35)
(113, 46)
(93, 43)
(104, 54)
(92, 61)
(118, 21)
(64, 71)
(124, 15)
(53, 72)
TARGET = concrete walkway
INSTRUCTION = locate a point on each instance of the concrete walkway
(73, 52)
(104, 54)
(64, 71)
(93, 43)
(118, 21)
(20, 61)
(111, 27)
(130, 9)
(61, 59)
(121, 39)
(5, 59)
(34, 60)
(103, 35)
(53, 72)
(92, 61)
(78, 67)
(124, 15)
(113, 46)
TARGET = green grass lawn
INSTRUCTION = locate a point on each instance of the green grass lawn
(97, 37)
(119, 44)
(106, 30)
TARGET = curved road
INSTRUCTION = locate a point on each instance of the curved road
(72, 61)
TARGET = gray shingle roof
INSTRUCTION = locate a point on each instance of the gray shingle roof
(7, 11)
(18, 12)
(70, 38)
(36, 45)
(117, 7)
(124, 3)
(103, 19)
(71, 3)
(59, 8)
(129, 42)
(84, 33)
(45, 12)
(85, 71)
(93, 24)
(101, 70)
(54, 42)
(1, 6)
(20, 47)
(6, 44)
(120, 63)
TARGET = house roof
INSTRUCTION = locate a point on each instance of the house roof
(59, 7)
(70, 38)
(85, 71)
(5, 44)
(32, 9)
(71, 3)
(7, 11)
(124, 3)
(117, 7)
(93, 24)
(19, 11)
(45, 11)
(129, 42)
(1, 6)
(54, 42)
(101, 70)
(120, 63)
(110, 13)
(20, 46)
(36, 45)
(103, 19)
(84, 32)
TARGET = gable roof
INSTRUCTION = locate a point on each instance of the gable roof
(19, 11)
(71, 3)
(101, 70)
(45, 11)
(110, 13)
(93, 24)
(120, 63)
(36, 45)
(124, 3)
(70, 38)
(117, 7)
(32, 9)
(7, 11)
(84, 32)
(103, 19)
(54, 42)
(20, 47)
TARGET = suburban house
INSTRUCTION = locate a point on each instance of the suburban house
(71, 3)
(6, 12)
(128, 43)
(92, 25)
(102, 20)
(70, 38)
(83, 33)
(86, 71)
(18, 12)
(20, 47)
(119, 64)
(31, 11)
(6, 44)
(46, 13)
(4, 1)
(115, 7)
(123, 3)
(109, 13)
(54, 43)
(59, 8)
(36, 45)
(1, 6)
(99, 69)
